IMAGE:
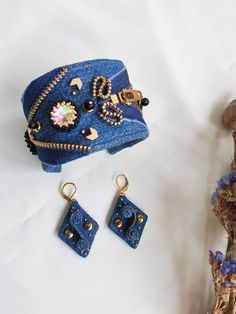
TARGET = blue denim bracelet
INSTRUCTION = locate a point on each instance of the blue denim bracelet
(78, 109)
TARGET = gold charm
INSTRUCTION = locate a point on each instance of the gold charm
(140, 219)
(88, 225)
(76, 82)
(90, 134)
(118, 223)
(68, 233)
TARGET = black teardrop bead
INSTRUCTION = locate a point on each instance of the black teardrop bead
(88, 105)
(144, 102)
(32, 124)
(30, 145)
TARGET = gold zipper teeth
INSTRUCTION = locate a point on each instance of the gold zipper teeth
(63, 146)
(45, 92)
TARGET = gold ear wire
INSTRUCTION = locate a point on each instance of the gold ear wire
(122, 189)
(66, 196)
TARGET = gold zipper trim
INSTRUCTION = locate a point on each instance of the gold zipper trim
(45, 92)
(63, 146)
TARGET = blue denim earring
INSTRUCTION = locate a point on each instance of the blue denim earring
(78, 229)
(127, 220)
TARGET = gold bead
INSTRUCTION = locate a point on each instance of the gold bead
(118, 223)
(68, 233)
(140, 219)
(88, 225)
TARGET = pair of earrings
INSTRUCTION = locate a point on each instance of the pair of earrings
(79, 229)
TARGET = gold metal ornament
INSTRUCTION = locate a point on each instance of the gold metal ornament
(128, 96)
(90, 134)
(118, 223)
(139, 219)
(76, 82)
(123, 188)
(111, 114)
(66, 196)
(68, 233)
(101, 87)
(88, 225)
(114, 99)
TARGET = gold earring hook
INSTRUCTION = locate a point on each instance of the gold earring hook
(122, 189)
(66, 196)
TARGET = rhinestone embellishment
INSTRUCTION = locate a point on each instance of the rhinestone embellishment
(63, 114)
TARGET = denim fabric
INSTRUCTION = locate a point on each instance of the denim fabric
(131, 230)
(75, 220)
(51, 168)
(113, 138)
(34, 89)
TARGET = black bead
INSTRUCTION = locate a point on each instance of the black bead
(144, 102)
(32, 124)
(88, 105)
(30, 145)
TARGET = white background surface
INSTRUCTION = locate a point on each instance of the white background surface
(182, 55)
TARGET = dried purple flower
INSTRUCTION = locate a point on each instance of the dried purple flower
(226, 268)
(227, 284)
(219, 257)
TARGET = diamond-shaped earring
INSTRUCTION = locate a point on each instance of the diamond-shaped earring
(127, 220)
(78, 229)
